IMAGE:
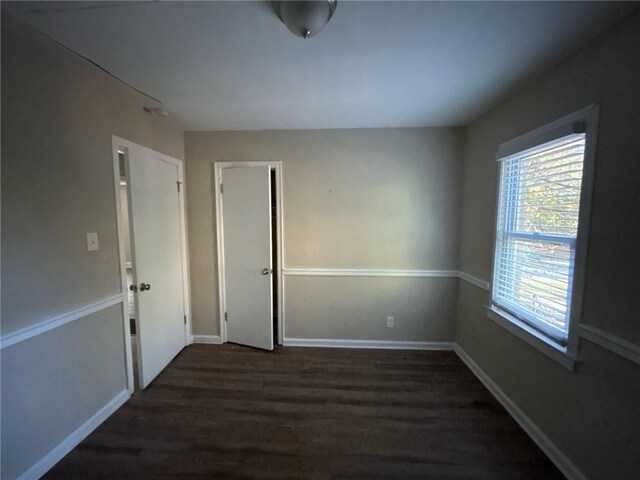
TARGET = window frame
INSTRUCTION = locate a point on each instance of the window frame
(585, 120)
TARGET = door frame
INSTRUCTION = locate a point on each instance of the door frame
(273, 165)
(120, 144)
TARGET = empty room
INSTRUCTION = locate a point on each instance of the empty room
(320, 240)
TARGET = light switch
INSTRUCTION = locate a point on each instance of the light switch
(92, 242)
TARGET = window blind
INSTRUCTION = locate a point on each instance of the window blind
(538, 208)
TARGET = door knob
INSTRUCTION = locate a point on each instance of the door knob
(144, 286)
(266, 271)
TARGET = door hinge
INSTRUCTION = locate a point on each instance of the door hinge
(225, 316)
(221, 189)
(185, 319)
(179, 183)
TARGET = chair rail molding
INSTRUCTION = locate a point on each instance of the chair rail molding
(59, 320)
(368, 272)
(381, 272)
(613, 343)
(478, 282)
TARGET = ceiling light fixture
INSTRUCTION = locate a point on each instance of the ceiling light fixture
(305, 18)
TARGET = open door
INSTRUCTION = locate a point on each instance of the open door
(155, 216)
(245, 197)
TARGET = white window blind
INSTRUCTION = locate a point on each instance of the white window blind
(538, 208)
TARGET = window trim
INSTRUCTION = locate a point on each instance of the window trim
(532, 336)
(587, 120)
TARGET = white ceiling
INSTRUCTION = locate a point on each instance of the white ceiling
(234, 66)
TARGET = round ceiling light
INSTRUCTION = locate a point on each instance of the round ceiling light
(305, 18)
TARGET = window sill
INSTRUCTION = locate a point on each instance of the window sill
(532, 337)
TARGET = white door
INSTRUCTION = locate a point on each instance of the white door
(157, 261)
(246, 226)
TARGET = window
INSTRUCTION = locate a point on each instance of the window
(540, 203)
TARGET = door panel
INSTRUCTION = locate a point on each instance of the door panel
(157, 261)
(246, 219)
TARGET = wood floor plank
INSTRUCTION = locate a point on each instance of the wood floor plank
(309, 413)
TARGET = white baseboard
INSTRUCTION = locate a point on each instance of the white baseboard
(212, 339)
(339, 343)
(43, 465)
(564, 464)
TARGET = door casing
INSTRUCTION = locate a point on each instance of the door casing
(120, 144)
(279, 307)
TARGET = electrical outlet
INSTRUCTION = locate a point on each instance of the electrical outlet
(391, 322)
(92, 242)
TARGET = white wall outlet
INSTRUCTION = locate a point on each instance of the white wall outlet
(92, 242)
(391, 322)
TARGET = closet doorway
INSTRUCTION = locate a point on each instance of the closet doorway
(249, 237)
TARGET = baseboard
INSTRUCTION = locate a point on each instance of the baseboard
(339, 343)
(564, 464)
(211, 339)
(43, 465)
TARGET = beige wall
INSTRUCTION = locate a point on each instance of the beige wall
(57, 176)
(348, 308)
(379, 198)
(58, 115)
(386, 199)
(53, 383)
(594, 413)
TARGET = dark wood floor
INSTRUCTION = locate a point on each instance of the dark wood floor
(234, 412)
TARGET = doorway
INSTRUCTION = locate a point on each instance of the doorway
(250, 254)
(130, 310)
(154, 270)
